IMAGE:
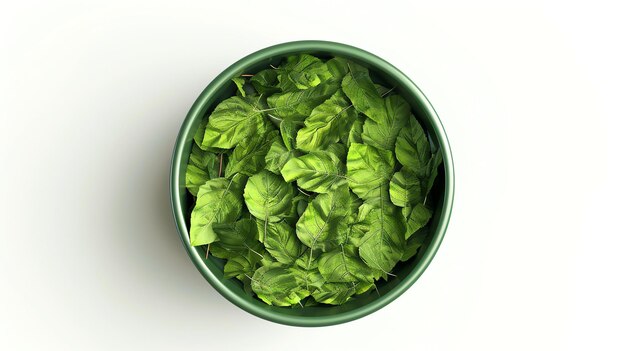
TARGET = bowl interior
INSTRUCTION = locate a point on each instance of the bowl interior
(406, 272)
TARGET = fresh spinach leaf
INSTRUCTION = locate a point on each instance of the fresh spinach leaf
(277, 156)
(276, 285)
(218, 201)
(322, 225)
(362, 92)
(234, 120)
(267, 196)
(405, 188)
(281, 241)
(383, 133)
(302, 72)
(249, 156)
(297, 105)
(318, 171)
(326, 123)
(368, 169)
(412, 147)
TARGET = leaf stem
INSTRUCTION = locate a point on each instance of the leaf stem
(302, 191)
(219, 173)
(247, 75)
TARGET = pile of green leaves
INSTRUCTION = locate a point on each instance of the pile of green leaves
(311, 183)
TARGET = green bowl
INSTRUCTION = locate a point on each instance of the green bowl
(406, 272)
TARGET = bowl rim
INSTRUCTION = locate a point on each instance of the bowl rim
(339, 50)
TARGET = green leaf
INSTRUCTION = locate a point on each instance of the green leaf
(219, 201)
(239, 82)
(356, 131)
(338, 67)
(202, 167)
(368, 169)
(414, 243)
(302, 72)
(277, 285)
(298, 105)
(318, 171)
(308, 279)
(281, 241)
(433, 166)
(289, 131)
(238, 236)
(338, 150)
(383, 244)
(360, 89)
(249, 156)
(199, 135)
(343, 266)
(298, 203)
(339, 293)
(382, 90)
(412, 147)
(267, 196)
(244, 265)
(405, 188)
(419, 217)
(326, 123)
(322, 225)
(232, 121)
(265, 81)
(383, 133)
(277, 156)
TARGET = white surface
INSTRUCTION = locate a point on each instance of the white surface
(91, 99)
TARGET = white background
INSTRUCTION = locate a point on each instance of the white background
(532, 97)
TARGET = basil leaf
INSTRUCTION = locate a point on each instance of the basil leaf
(302, 72)
(239, 82)
(433, 166)
(360, 89)
(383, 244)
(245, 264)
(326, 123)
(199, 135)
(412, 147)
(318, 171)
(277, 285)
(368, 169)
(414, 243)
(265, 81)
(267, 196)
(281, 241)
(249, 156)
(383, 134)
(298, 105)
(338, 150)
(202, 167)
(419, 217)
(289, 131)
(356, 131)
(322, 225)
(339, 293)
(338, 67)
(405, 189)
(338, 266)
(238, 236)
(232, 121)
(219, 201)
(277, 156)
(308, 279)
